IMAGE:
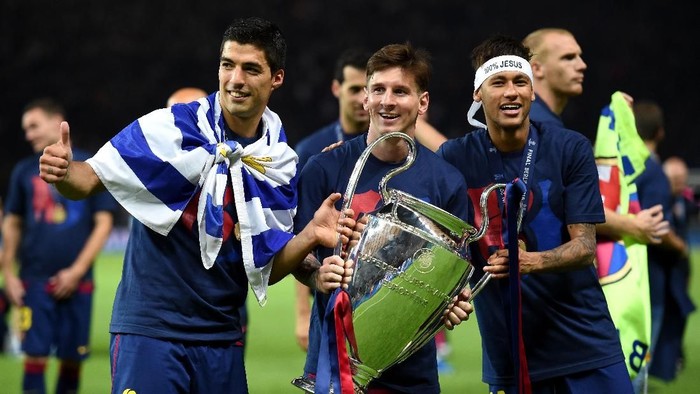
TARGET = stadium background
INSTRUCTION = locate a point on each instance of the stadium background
(111, 62)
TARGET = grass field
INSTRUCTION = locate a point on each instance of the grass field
(273, 357)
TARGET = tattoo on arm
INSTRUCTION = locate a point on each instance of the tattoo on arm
(307, 270)
(576, 253)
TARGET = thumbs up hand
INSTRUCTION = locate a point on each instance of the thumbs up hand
(56, 159)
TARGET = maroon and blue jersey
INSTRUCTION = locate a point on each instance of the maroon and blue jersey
(55, 228)
(566, 324)
(430, 179)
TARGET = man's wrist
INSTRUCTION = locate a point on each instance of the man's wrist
(307, 271)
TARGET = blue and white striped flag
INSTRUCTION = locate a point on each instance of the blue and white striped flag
(157, 164)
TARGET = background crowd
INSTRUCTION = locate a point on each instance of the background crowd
(108, 63)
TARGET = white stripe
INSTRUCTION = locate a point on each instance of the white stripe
(165, 141)
(130, 192)
(203, 122)
(283, 217)
(266, 218)
(279, 172)
(256, 216)
(256, 277)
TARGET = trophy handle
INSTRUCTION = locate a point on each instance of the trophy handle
(471, 237)
(355, 176)
(483, 205)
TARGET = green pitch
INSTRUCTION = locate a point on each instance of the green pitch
(273, 357)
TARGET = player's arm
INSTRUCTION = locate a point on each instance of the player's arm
(306, 275)
(302, 315)
(672, 241)
(323, 230)
(428, 135)
(11, 235)
(578, 252)
(647, 226)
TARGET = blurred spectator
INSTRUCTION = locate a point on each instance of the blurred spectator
(668, 357)
(55, 242)
(654, 188)
(185, 95)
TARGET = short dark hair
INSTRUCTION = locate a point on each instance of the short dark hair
(261, 33)
(405, 56)
(355, 57)
(46, 104)
(498, 45)
(649, 118)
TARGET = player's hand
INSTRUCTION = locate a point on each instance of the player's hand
(459, 310)
(332, 146)
(360, 225)
(54, 162)
(64, 283)
(650, 225)
(329, 224)
(497, 264)
(14, 290)
(334, 273)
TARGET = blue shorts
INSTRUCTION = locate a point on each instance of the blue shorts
(50, 325)
(147, 365)
(611, 379)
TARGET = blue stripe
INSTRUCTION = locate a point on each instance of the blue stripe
(607, 111)
(283, 136)
(160, 178)
(267, 244)
(214, 214)
(213, 218)
(186, 121)
(618, 259)
(275, 198)
(627, 166)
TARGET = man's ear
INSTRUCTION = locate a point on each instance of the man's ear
(335, 88)
(277, 79)
(537, 69)
(423, 102)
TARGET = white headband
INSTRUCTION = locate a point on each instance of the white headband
(493, 66)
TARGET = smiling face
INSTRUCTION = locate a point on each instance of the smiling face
(245, 85)
(506, 98)
(393, 102)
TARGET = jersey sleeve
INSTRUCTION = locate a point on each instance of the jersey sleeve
(311, 187)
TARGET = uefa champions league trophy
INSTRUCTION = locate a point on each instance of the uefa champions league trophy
(410, 262)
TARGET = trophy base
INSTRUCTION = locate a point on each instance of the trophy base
(309, 386)
(306, 384)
